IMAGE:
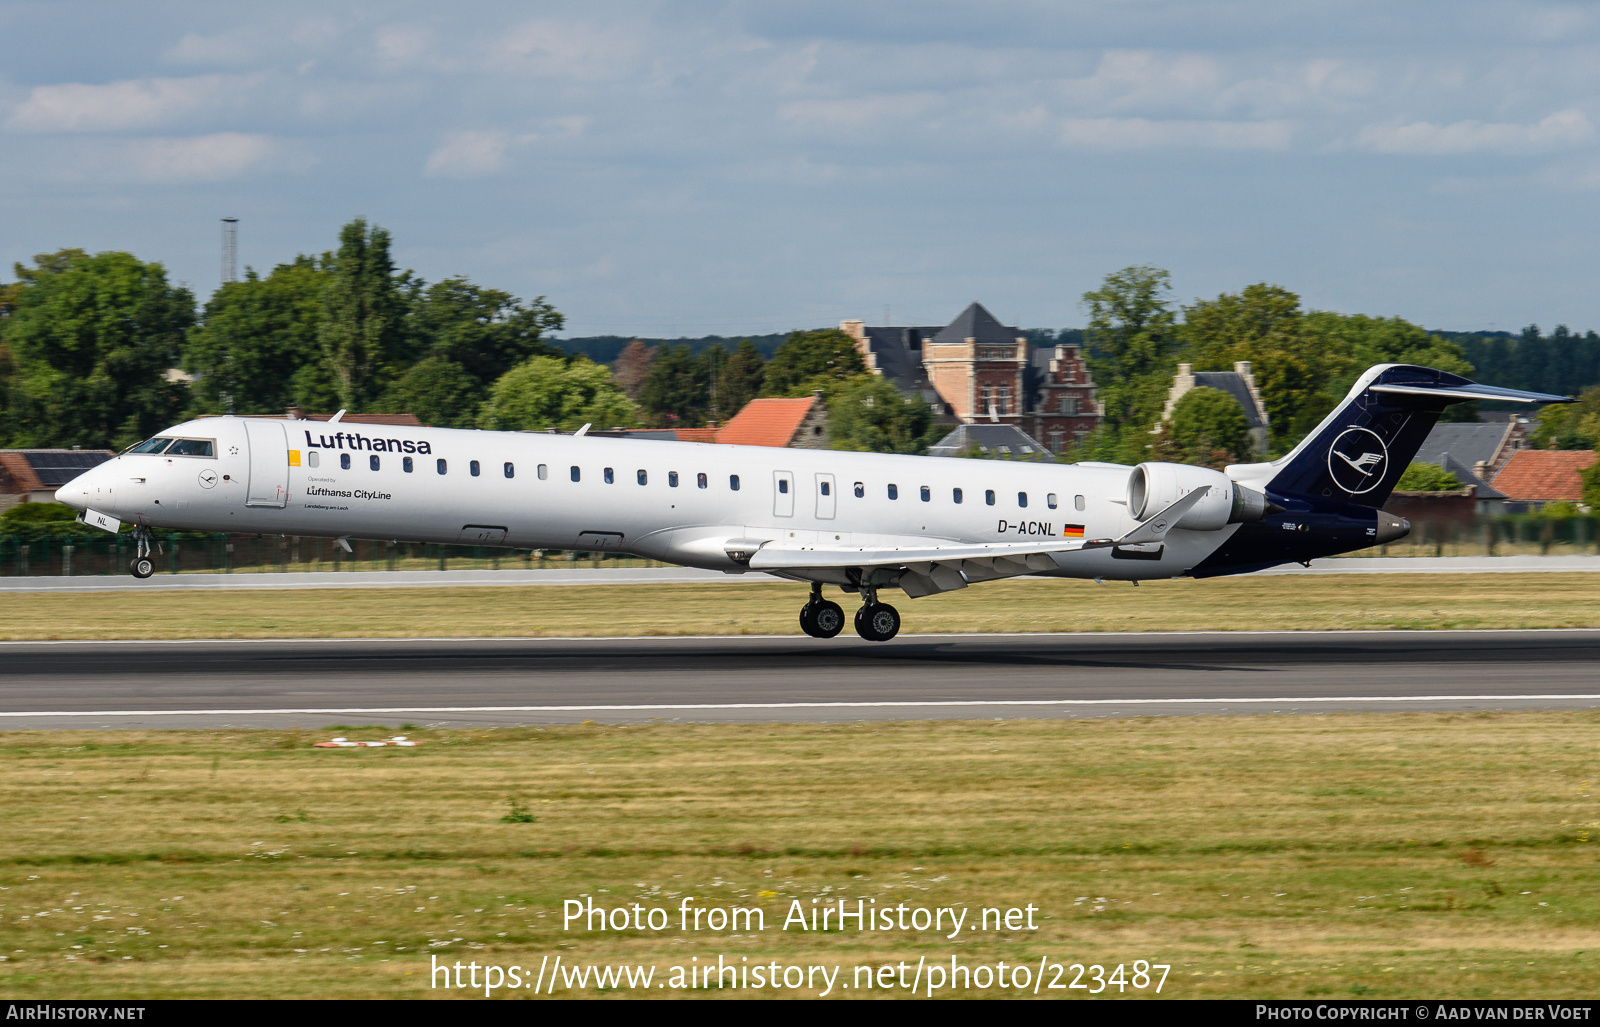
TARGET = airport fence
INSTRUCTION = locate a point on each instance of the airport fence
(74, 555)
(189, 552)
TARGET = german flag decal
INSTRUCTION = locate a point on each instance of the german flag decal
(1072, 531)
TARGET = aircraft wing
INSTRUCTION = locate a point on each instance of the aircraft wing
(944, 567)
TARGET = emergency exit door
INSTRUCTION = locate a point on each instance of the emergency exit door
(827, 496)
(269, 464)
(783, 493)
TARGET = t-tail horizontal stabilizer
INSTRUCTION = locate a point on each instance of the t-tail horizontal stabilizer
(1358, 452)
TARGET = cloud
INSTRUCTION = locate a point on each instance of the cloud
(1560, 131)
(468, 155)
(1144, 134)
(227, 48)
(182, 160)
(120, 106)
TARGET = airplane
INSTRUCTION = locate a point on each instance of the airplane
(863, 522)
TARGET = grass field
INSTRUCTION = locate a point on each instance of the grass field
(1344, 856)
(1423, 601)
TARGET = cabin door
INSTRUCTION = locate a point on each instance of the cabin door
(783, 493)
(827, 496)
(269, 464)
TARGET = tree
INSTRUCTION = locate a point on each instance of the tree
(742, 379)
(1209, 428)
(868, 415)
(631, 367)
(485, 332)
(256, 336)
(439, 391)
(362, 333)
(1131, 342)
(1569, 425)
(674, 390)
(549, 392)
(1264, 325)
(808, 361)
(90, 339)
(1422, 477)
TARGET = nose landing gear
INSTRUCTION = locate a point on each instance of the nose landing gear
(820, 618)
(141, 566)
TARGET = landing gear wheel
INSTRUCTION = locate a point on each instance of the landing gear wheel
(821, 619)
(877, 622)
(141, 566)
(827, 619)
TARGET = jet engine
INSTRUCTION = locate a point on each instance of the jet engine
(1153, 487)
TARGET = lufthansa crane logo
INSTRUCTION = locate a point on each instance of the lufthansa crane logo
(1357, 460)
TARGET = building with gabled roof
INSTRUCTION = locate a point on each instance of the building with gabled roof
(793, 423)
(976, 369)
(1240, 383)
(33, 475)
(1534, 477)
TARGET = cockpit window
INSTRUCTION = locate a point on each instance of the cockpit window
(191, 447)
(151, 446)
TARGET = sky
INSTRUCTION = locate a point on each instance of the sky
(754, 167)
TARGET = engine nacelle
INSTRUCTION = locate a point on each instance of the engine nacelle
(1152, 487)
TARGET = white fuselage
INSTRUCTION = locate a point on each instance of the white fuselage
(671, 501)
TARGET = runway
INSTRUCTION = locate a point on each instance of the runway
(315, 683)
(273, 581)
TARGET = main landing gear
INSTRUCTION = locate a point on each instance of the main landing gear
(875, 621)
(820, 618)
(141, 566)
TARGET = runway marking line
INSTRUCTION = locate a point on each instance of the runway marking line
(956, 703)
(904, 637)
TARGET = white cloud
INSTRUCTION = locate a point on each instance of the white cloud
(468, 155)
(1144, 134)
(402, 44)
(227, 48)
(120, 106)
(175, 160)
(1560, 131)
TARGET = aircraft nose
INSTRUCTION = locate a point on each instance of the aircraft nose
(86, 490)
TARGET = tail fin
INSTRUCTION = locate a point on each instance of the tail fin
(1360, 450)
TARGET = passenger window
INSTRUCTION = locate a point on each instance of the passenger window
(826, 490)
(443, 467)
(406, 464)
(733, 482)
(988, 496)
(577, 475)
(783, 485)
(191, 447)
(472, 468)
(644, 479)
(1050, 500)
(372, 462)
(672, 479)
(1022, 499)
(511, 470)
(1077, 502)
(543, 472)
(313, 459)
(152, 446)
(927, 494)
(894, 492)
(344, 461)
(700, 479)
(955, 494)
(610, 476)
(861, 490)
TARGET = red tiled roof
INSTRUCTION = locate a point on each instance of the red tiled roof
(766, 422)
(696, 434)
(16, 475)
(1544, 475)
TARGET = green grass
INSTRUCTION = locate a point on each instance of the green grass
(1343, 855)
(1335, 602)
